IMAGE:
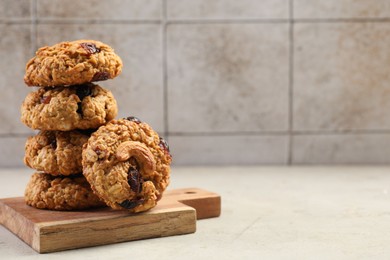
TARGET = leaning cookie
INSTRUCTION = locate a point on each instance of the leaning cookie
(56, 152)
(45, 191)
(64, 109)
(127, 164)
(71, 63)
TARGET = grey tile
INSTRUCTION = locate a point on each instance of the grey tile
(12, 151)
(228, 150)
(341, 76)
(15, 47)
(228, 77)
(138, 89)
(97, 10)
(341, 149)
(11, 9)
(227, 9)
(314, 9)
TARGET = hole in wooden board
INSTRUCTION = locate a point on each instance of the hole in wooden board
(190, 192)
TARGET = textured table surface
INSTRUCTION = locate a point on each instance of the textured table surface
(267, 213)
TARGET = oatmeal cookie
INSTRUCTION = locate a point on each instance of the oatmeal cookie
(45, 191)
(56, 152)
(72, 63)
(127, 164)
(68, 108)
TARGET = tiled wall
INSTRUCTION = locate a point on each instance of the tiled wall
(226, 81)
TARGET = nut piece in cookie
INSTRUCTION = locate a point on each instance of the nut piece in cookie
(56, 152)
(65, 109)
(71, 63)
(127, 164)
(45, 191)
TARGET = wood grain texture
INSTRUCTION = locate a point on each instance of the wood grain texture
(51, 231)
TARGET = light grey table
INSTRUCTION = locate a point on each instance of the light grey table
(267, 213)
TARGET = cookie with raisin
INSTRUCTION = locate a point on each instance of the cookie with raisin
(72, 63)
(127, 164)
(67, 108)
(45, 191)
(56, 152)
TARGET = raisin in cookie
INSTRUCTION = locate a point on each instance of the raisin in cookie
(45, 191)
(127, 164)
(64, 109)
(72, 63)
(56, 152)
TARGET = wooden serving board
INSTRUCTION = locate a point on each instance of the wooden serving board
(51, 231)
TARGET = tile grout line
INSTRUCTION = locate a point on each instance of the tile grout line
(227, 20)
(96, 21)
(190, 21)
(34, 30)
(10, 21)
(165, 69)
(279, 20)
(13, 135)
(342, 20)
(280, 133)
(291, 84)
(286, 132)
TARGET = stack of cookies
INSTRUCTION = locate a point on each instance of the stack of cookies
(66, 109)
(83, 157)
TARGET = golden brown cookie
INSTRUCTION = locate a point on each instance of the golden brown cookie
(72, 63)
(45, 191)
(127, 164)
(56, 152)
(64, 109)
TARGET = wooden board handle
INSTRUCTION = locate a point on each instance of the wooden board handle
(207, 204)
